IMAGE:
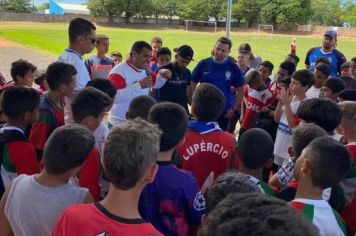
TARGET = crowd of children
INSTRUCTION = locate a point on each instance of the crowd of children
(163, 162)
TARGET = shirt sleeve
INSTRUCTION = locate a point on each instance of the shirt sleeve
(189, 77)
(124, 93)
(40, 130)
(89, 175)
(307, 62)
(195, 201)
(238, 79)
(24, 158)
(196, 74)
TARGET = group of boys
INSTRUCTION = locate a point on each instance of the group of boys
(159, 167)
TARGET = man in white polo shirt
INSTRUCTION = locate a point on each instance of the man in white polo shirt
(131, 79)
(81, 41)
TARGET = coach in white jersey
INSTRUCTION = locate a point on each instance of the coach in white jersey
(81, 41)
(131, 79)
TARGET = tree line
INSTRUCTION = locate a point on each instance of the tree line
(288, 13)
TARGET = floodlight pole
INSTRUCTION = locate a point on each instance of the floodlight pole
(228, 18)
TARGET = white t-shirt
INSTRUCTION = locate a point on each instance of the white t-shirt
(100, 135)
(284, 134)
(131, 75)
(75, 59)
(313, 92)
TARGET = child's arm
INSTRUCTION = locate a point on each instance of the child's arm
(278, 112)
(5, 227)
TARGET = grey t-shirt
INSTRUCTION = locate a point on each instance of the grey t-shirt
(255, 63)
(33, 209)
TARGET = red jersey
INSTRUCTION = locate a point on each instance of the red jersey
(51, 117)
(255, 101)
(89, 176)
(206, 155)
(349, 188)
(95, 220)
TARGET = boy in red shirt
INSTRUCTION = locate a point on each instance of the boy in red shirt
(130, 157)
(256, 97)
(17, 155)
(61, 79)
(206, 151)
(89, 107)
(348, 127)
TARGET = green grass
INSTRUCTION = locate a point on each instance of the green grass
(52, 38)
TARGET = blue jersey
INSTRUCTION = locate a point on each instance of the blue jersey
(336, 59)
(223, 75)
(173, 201)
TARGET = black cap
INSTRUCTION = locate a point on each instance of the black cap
(185, 51)
(245, 48)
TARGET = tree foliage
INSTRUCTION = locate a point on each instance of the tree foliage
(18, 5)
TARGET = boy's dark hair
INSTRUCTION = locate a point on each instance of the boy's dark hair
(89, 102)
(157, 40)
(138, 47)
(67, 148)
(130, 149)
(322, 60)
(172, 119)
(100, 38)
(330, 161)
(208, 102)
(350, 83)
(255, 148)
(164, 51)
(79, 27)
(294, 56)
(104, 85)
(345, 65)
(59, 73)
(325, 69)
(140, 107)
(353, 59)
(268, 65)
(255, 214)
(286, 81)
(348, 95)
(305, 77)
(225, 40)
(40, 77)
(289, 66)
(18, 100)
(335, 85)
(303, 134)
(321, 111)
(230, 182)
(21, 68)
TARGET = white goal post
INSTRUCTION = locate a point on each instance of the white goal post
(265, 27)
(189, 22)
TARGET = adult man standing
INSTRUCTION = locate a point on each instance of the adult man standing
(131, 79)
(328, 49)
(177, 88)
(218, 70)
(81, 41)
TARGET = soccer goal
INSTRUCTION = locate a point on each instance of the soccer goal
(265, 28)
(198, 23)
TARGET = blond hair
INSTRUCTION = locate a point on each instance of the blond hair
(348, 109)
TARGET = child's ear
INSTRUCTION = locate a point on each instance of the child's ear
(290, 152)
(305, 167)
(193, 110)
(27, 115)
(151, 173)
(204, 220)
(269, 164)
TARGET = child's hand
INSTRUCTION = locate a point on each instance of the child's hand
(165, 73)
(285, 97)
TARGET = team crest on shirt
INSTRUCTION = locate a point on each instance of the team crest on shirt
(227, 75)
(103, 234)
(199, 202)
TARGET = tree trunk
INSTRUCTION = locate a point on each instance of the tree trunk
(110, 17)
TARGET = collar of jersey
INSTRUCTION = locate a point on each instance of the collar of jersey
(132, 66)
(72, 51)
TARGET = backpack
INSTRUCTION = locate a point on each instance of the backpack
(5, 137)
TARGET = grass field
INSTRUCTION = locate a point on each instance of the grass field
(52, 38)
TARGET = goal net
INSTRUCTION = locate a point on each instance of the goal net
(265, 28)
(189, 24)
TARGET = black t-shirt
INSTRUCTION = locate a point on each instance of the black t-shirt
(175, 89)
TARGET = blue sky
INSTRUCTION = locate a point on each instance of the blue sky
(40, 2)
